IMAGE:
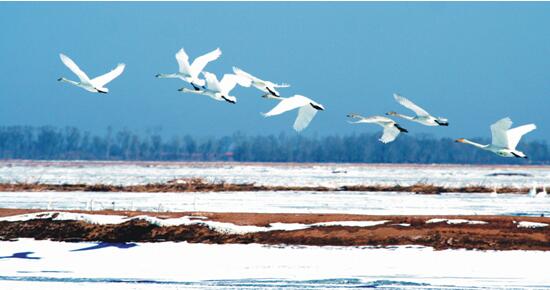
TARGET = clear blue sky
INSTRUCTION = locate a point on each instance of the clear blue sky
(471, 62)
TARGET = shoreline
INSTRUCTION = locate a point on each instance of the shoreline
(200, 185)
(438, 231)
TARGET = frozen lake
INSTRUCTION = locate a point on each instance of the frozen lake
(51, 265)
(332, 175)
(376, 203)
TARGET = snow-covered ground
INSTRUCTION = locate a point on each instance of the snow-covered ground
(55, 265)
(332, 175)
(286, 202)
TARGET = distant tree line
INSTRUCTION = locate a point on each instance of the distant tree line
(51, 143)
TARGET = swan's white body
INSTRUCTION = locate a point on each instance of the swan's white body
(504, 139)
(191, 72)
(421, 116)
(391, 128)
(219, 90)
(268, 87)
(533, 191)
(307, 108)
(543, 192)
(96, 85)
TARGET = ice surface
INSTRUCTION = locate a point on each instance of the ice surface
(181, 265)
(375, 203)
(273, 174)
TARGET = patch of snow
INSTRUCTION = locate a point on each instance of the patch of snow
(222, 227)
(456, 221)
(524, 224)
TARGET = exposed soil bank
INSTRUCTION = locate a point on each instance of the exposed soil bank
(496, 233)
(200, 185)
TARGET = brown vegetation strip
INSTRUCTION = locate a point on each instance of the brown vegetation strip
(200, 185)
(500, 232)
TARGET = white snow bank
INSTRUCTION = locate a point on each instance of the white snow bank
(456, 221)
(222, 227)
(524, 224)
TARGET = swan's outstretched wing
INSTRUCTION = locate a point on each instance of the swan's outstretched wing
(498, 132)
(200, 62)
(101, 81)
(74, 68)
(229, 81)
(372, 119)
(212, 82)
(410, 105)
(288, 104)
(242, 73)
(183, 62)
(514, 135)
(390, 133)
(305, 115)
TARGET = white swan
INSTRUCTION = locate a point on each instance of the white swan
(191, 73)
(391, 128)
(533, 191)
(219, 90)
(421, 117)
(96, 85)
(307, 110)
(268, 87)
(504, 139)
(543, 192)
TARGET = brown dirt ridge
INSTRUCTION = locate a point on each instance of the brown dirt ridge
(200, 185)
(497, 233)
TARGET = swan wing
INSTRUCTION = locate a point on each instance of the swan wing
(102, 80)
(410, 105)
(200, 62)
(74, 68)
(229, 81)
(498, 132)
(288, 104)
(212, 82)
(372, 119)
(390, 133)
(305, 115)
(183, 61)
(244, 74)
(514, 135)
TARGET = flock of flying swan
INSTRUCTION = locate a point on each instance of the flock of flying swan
(504, 138)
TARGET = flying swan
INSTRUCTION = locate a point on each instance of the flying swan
(307, 110)
(505, 139)
(421, 117)
(96, 85)
(191, 73)
(268, 87)
(219, 90)
(391, 128)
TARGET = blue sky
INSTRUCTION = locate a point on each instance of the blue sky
(471, 62)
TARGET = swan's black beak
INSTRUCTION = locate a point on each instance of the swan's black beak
(442, 123)
(59, 79)
(180, 90)
(157, 75)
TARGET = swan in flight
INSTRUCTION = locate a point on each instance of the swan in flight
(391, 128)
(421, 117)
(191, 72)
(268, 87)
(219, 90)
(96, 85)
(504, 139)
(307, 110)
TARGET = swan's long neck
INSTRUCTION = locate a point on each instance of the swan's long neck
(167, 76)
(474, 144)
(69, 81)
